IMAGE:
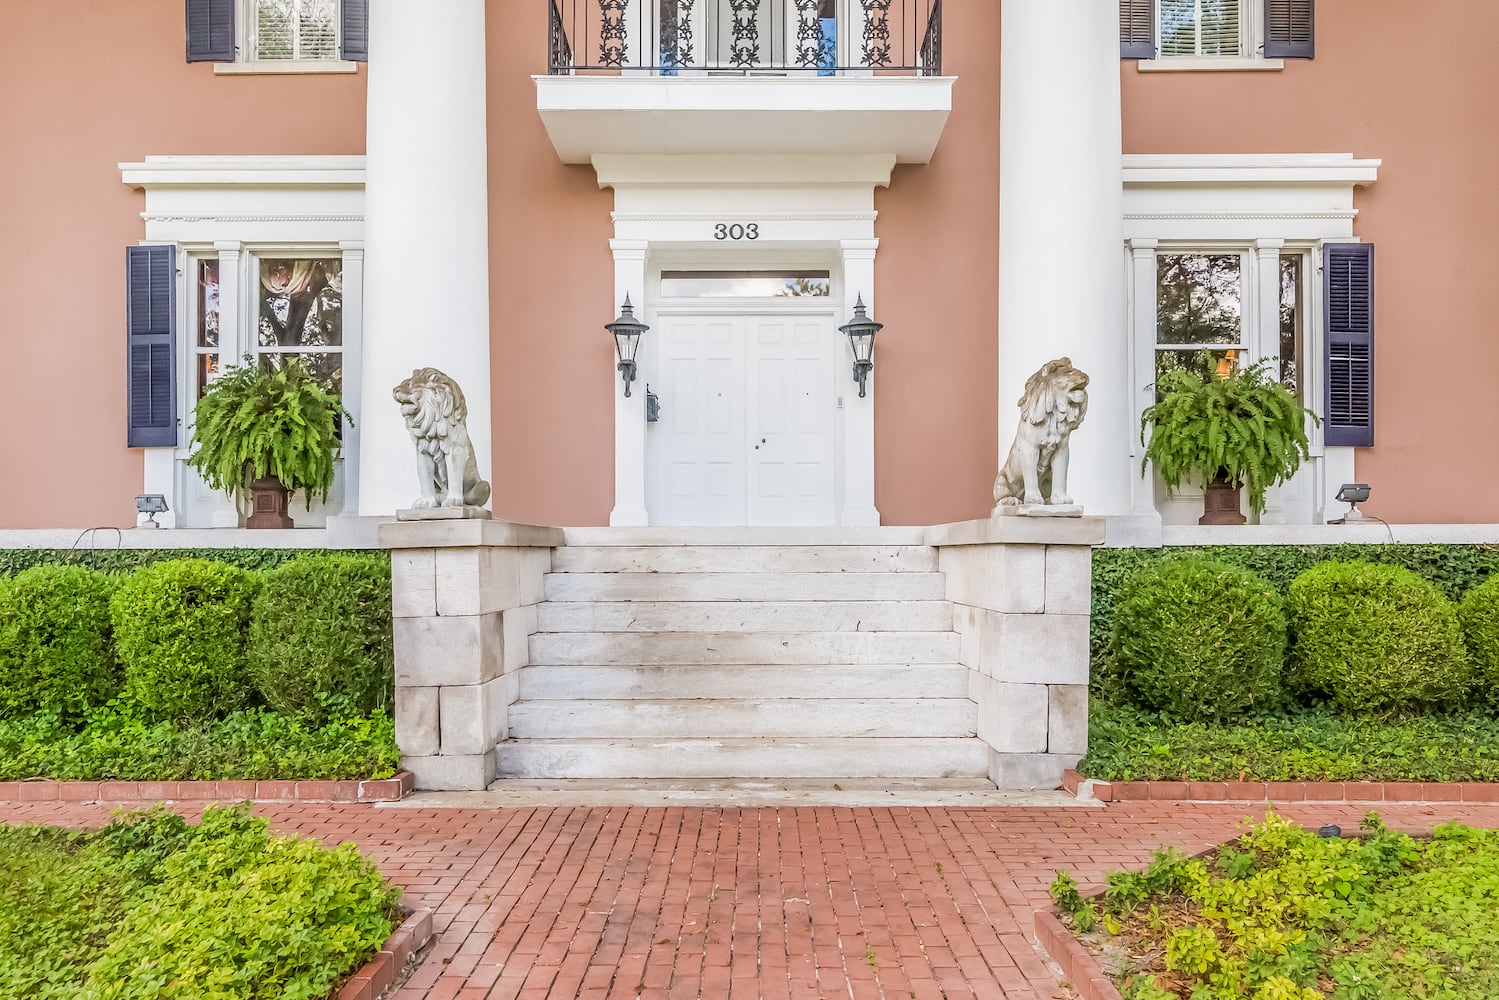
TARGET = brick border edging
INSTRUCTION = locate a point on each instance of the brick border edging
(379, 973)
(45, 790)
(1081, 971)
(1281, 791)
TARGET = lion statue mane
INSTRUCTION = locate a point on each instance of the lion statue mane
(1055, 402)
(435, 414)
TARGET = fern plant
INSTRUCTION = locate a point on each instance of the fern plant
(1246, 429)
(254, 422)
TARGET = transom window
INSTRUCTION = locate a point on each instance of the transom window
(1203, 27)
(292, 29)
(747, 284)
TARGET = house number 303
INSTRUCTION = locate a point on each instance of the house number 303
(735, 231)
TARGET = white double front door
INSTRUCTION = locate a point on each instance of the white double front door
(747, 433)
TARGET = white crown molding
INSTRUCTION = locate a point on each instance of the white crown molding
(746, 216)
(151, 217)
(1340, 169)
(155, 172)
(1338, 215)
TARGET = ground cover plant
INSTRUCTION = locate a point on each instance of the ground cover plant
(198, 669)
(151, 906)
(1286, 914)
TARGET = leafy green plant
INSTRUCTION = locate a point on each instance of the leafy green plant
(1197, 638)
(1376, 639)
(1245, 429)
(254, 422)
(56, 649)
(1479, 614)
(180, 629)
(119, 561)
(320, 635)
(152, 907)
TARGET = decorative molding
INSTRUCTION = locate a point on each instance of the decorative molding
(156, 172)
(749, 216)
(1225, 169)
(1341, 215)
(164, 217)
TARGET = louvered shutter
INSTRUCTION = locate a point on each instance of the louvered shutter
(210, 30)
(1348, 315)
(355, 46)
(1290, 29)
(1136, 29)
(151, 384)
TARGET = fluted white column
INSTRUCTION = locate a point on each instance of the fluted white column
(1061, 276)
(426, 231)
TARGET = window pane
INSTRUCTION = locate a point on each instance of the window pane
(296, 29)
(1220, 28)
(273, 30)
(1178, 27)
(300, 302)
(1201, 27)
(1203, 363)
(208, 303)
(317, 29)
(1290, 322)
(327, 368)
(1198, 298)
(747, 284)
(206, 372)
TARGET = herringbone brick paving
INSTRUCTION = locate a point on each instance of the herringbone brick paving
(665, 902)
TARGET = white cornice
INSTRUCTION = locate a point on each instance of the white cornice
(245, 171)
(1340, 169)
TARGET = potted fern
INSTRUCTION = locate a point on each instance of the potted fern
(263, 434)
(1241, 428)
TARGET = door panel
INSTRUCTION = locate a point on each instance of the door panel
(791, 421)
(699, 442)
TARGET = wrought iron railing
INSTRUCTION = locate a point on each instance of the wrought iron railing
(745, 37)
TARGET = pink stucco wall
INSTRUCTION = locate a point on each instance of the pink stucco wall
(1413, 84)
(113, 86)
(90, 84)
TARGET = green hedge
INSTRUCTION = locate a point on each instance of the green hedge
(109, 560)
(1455, 569)
(1198, 638)
(1479, 613)
(320, 635)
(56, 644)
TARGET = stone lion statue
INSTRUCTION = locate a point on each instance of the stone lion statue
(435, 413)
(1055, 402)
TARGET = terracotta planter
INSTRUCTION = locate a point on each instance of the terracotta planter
(268, 504)
(1220, 504)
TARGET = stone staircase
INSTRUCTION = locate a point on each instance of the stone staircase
(737, 659)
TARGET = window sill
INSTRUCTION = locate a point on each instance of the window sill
(1210, 64)
(280, 68)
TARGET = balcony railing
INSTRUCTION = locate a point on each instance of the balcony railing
(746, 37)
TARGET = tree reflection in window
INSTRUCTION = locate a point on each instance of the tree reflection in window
(300, 314)
(296, 29)
(1199, 311)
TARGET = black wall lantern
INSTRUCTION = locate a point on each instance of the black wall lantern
(861, 330)
(626, 330)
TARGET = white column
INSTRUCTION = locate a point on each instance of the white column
(629, 411)
(1061, 290)
(426, 232)
(353, 360)
(858, 414)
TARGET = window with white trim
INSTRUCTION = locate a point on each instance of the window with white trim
(299, 314)
(1206, 27)
(302, 30)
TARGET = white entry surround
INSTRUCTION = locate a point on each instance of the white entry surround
(804, 211)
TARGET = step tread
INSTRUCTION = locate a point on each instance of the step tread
(744, 616)
(744, 559)
(662, 718)
(772, 587)
(788, 648)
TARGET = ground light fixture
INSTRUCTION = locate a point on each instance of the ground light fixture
(150, 504)
(860, 331)
(1352, 494)
(626, 331)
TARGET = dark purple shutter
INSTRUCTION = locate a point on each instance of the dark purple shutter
(151, 390)
(355, 46)
(1348, 314)
(1136, 29)
(1290, 29)
(210, 30)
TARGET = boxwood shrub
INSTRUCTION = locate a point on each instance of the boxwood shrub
(56, 651)
(180, 628)
(320, 635)
(1376, 639)
(1197, 638)
(1479, 614)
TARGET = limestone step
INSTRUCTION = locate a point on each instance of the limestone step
(742, 717)
(852, 757)
(743, 681)
(632, 648)
(745, 616)
(745, 536)
(745, 587)
(745, 559)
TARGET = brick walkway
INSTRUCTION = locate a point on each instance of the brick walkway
(795, 902)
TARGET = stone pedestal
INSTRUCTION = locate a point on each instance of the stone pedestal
(464, 592)
(1021, 589)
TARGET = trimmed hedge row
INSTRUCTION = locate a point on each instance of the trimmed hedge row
(192, 640)
(13, 561)
(1200, 639)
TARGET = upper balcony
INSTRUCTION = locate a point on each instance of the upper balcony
(750, 77)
